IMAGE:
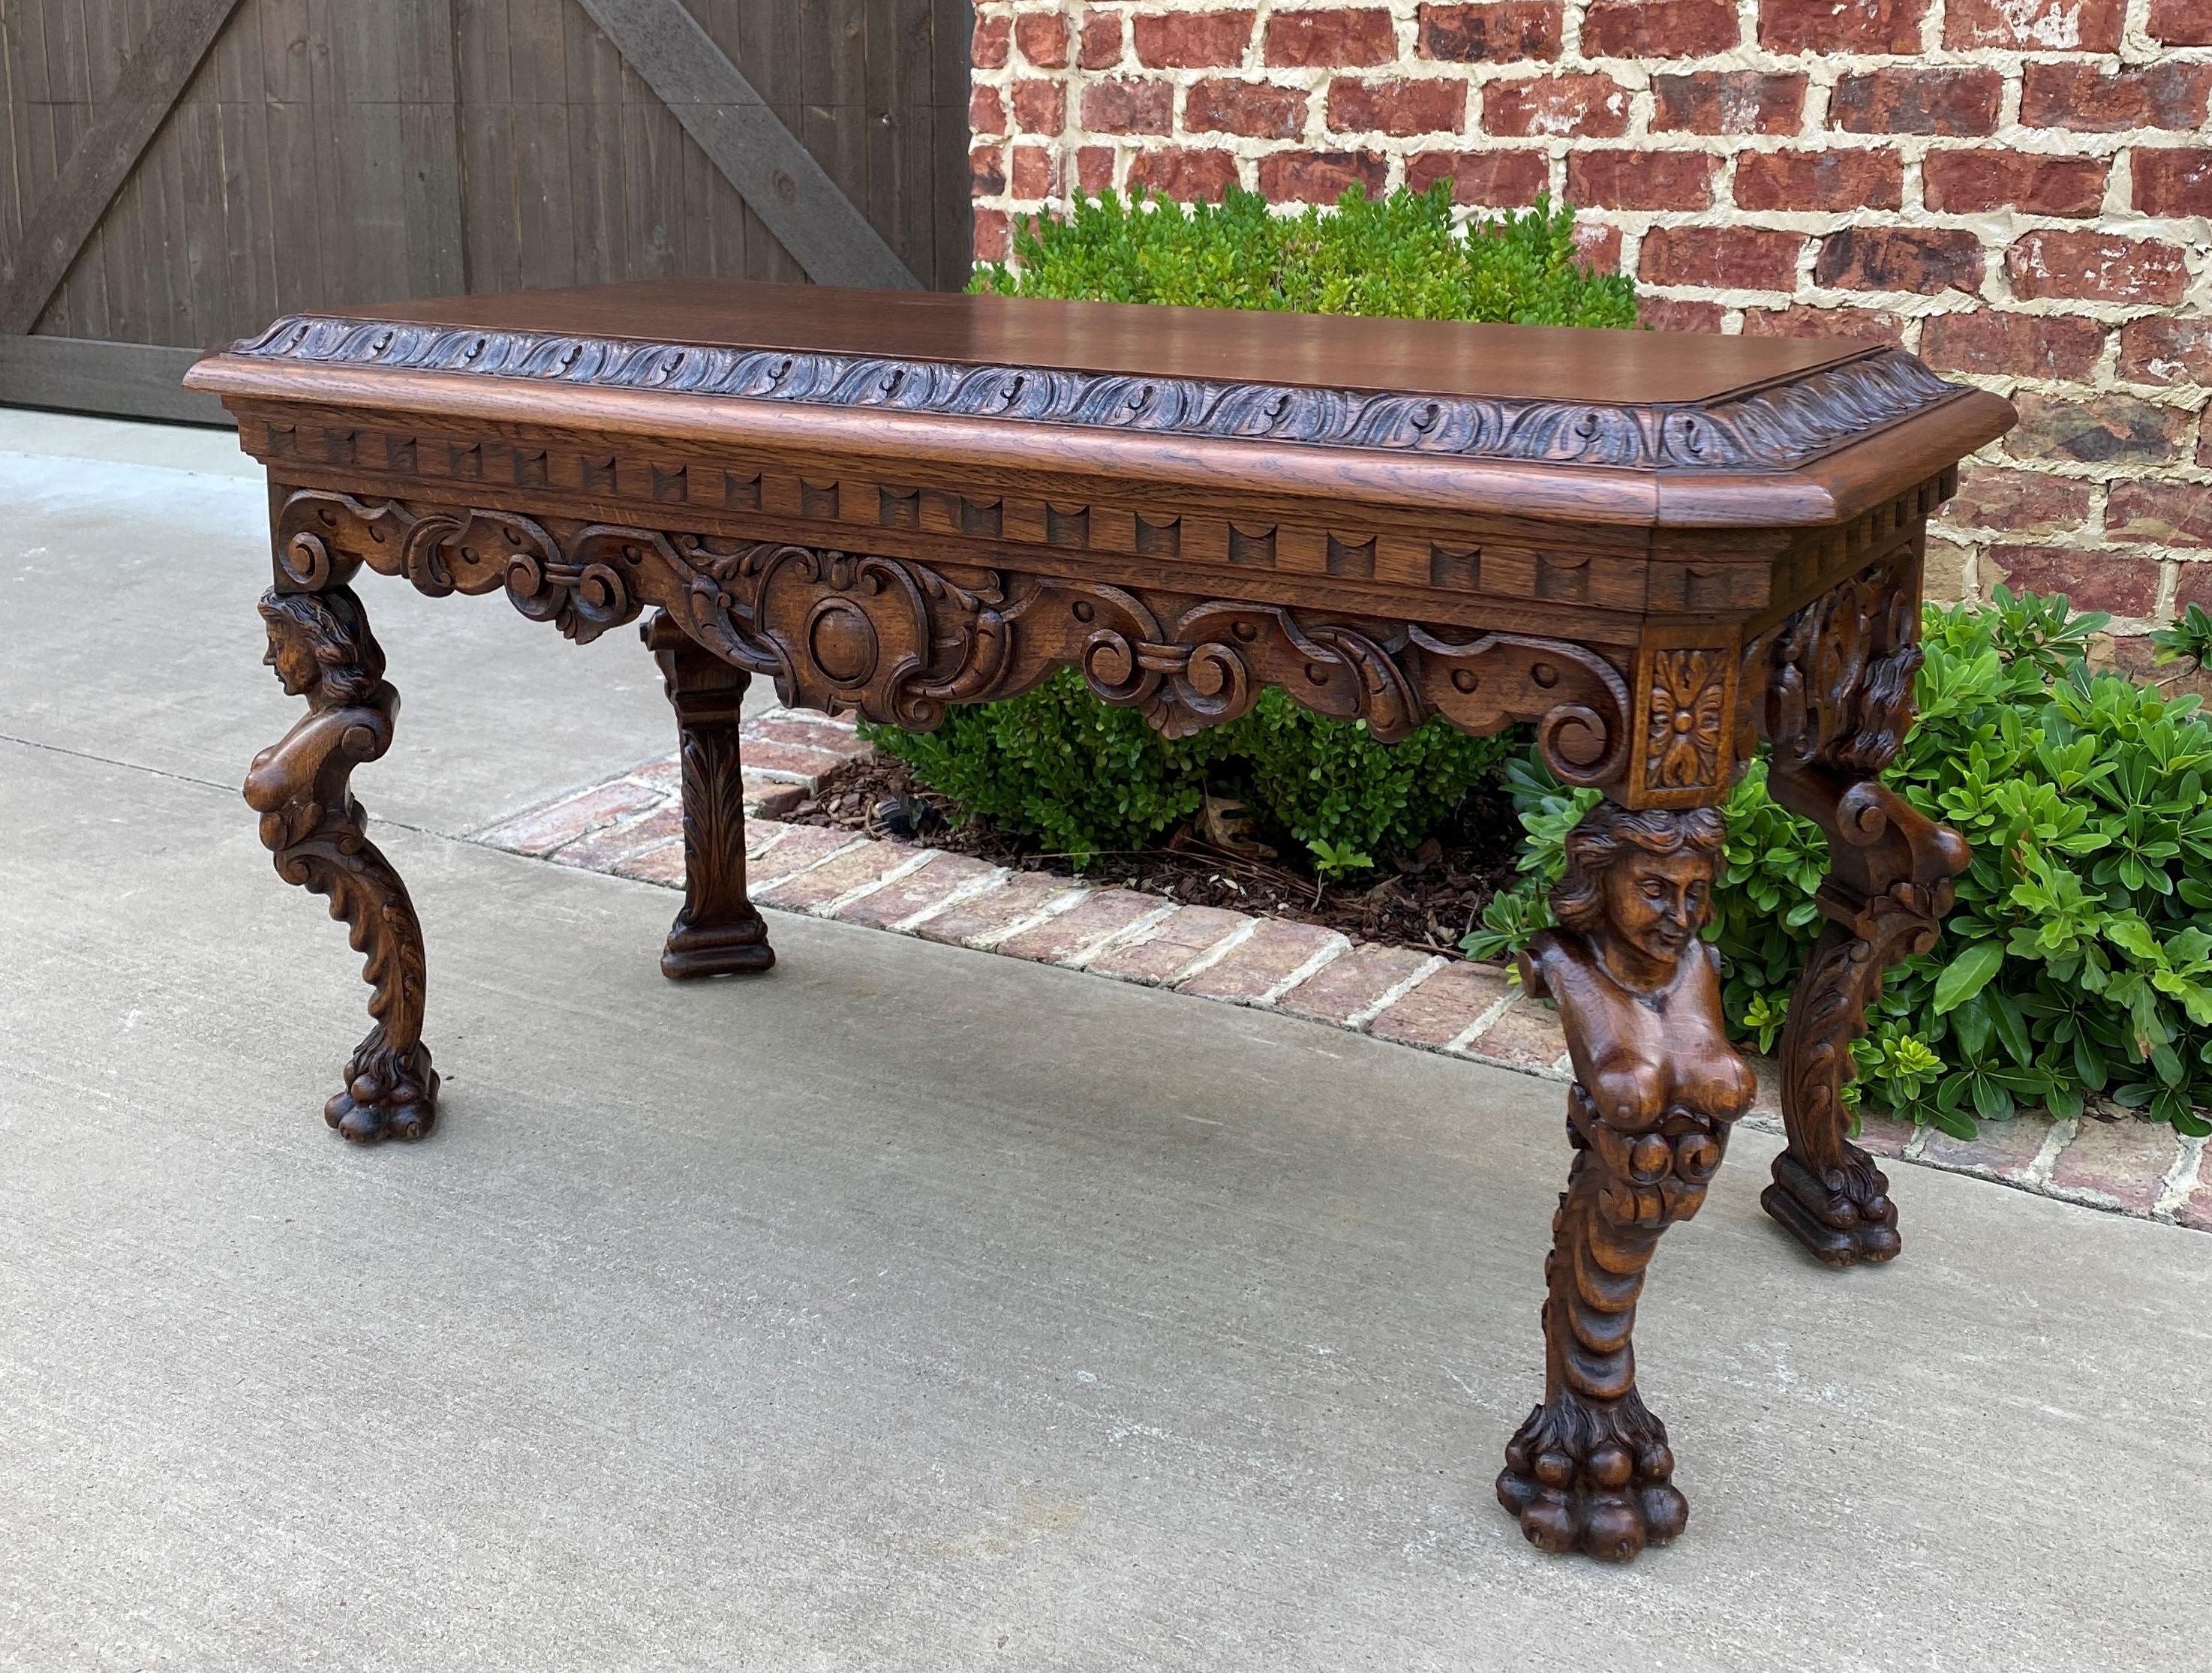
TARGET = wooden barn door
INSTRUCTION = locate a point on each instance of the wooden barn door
(176, 173)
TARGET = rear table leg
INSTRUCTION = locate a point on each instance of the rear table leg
(718, 933)
(1889, 881)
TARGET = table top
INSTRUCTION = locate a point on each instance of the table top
(1229, 346)
(1610, 426)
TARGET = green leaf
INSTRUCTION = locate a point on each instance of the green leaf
(1967, 974)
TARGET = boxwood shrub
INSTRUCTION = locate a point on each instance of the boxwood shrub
(2079, 957)
(1088, 778)
(1085, 778)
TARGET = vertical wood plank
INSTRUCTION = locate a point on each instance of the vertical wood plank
(431, 146)
(484, 94)
(595, 151)
(722, 249)
(289, 108)
(361, 108)
(199, 149)
(334, 177)
(31, 115)
(250, 240)
(653, 181)
(537, 60)
(901, 123)
(159, 180)
(771, 59)
(170, 240)
(953, 23)
(248, 236)
(103, 297)
(833, 69)
(487, 198)
(106, 286)
(11, 210)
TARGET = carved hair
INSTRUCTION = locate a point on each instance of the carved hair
(1605, 837)
(335, 628)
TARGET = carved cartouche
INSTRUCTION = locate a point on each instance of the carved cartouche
(321, 649)
(1657, 1088)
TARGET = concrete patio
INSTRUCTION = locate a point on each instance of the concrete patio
(909, 1308)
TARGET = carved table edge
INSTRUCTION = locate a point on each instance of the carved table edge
(1782, 424)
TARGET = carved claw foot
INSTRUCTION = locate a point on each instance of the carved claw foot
(732, 948)
(1592, 1479)
(1841, 1215)
(388, 1094)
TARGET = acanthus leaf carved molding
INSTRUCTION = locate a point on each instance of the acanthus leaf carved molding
(898, 641)
(1839, 683)
(1778, 428)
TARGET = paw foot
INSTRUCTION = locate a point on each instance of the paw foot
(1597, 1481)
(1841, 1215)
(387, 1095)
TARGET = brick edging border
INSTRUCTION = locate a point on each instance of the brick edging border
(630, 826)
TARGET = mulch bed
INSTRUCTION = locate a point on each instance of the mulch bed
(1427, 901)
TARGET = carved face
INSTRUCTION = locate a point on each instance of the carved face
(293, 658)
(1655, 902)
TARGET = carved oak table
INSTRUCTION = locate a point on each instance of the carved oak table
(1656, 550)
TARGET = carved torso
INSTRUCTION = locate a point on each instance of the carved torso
(1640, 1055)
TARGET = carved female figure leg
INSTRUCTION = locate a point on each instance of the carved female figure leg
(717, 932)
(320, 645)
(1657, 1087)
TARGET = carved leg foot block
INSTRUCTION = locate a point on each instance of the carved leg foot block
(388, 1094)
(1841, 1215)
(733, 948)
(1597, 1480)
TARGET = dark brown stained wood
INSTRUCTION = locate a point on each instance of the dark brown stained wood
(1658, 1090)
(152, 75)
(1697, 432)
(1438, 357)
(720, 108)
(879, 503)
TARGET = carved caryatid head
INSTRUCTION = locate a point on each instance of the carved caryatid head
(1639, 886)
(321, 648)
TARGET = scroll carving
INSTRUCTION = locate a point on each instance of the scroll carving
(898, 641)
(1775, 427)
(1840, 703)
(584, 590)
(321, 648)
(1657, 1088)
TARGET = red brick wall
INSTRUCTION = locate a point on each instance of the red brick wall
(2021, 190)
